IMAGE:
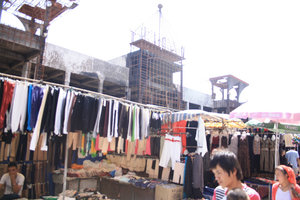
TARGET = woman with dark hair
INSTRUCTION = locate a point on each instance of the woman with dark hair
(228, 173)
(286, 187)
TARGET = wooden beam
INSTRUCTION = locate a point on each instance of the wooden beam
(88, 81)
(54, 74)
(11, 55)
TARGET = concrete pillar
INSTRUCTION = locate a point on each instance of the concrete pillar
(128, 93)
(101, 78)
(100, 86)
(201, 107)
(67, 77)
(187, 105)
(26, 69)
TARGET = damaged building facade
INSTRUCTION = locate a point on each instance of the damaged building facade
(144, 75)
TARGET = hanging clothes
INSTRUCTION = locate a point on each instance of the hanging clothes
(76, 117)
(145, 121)
(198, 179)
(18, 107)
(102, 118)
(129, 132)
(88, 117)
(155, 122)
(8, 90)
(243, 156)
(59, 111)
(256, 153)
(124, 121)
(109, 129)
(37, 128)
(36, 100)
(191, 130)
(97, 122)
(171, 150)
(28, 127)
(47, 110)
(233, 147)
(272, 156)
(188, 178)
(264, 154)
(69, 100)
(1, 91)
(106, 118)
(115, 110)
(215, 140)
(178, 173)
(201, 138)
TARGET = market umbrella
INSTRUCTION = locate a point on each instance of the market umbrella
(282, 127)
(211, 120)
(281, 112)
(278, 110)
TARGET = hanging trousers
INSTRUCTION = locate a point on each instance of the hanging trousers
(272, 160)
(264, 159)
(243, 157)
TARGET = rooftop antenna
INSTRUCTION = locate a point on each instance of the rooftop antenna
(159, 7)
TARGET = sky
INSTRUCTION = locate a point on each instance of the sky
(257, 41)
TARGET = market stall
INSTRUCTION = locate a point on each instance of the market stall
(274, 116)
(56, 130)
(63, 137)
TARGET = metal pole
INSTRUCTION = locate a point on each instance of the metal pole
(65, 169)
(159, 7)
(1, 8)
(67, 82)
(39, 69)
(276, 145)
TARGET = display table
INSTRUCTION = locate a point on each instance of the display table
(124, 191)
(74, 183)
(263, 188)
(115, 189)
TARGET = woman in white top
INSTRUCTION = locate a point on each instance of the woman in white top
(286, 187)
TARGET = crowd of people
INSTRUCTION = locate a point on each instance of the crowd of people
(226, 169)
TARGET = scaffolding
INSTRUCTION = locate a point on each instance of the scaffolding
(151, 70)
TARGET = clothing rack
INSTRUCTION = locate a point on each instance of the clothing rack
(153, 107)
(134, 155)
(41, 82)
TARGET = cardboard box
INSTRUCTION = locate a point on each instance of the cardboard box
(168, 192)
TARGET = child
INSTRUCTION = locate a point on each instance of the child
(237, 194)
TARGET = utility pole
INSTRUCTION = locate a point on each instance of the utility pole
(39, 69)
(159, 23)
(1, 8)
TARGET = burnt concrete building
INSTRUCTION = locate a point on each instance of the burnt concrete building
(225, 84)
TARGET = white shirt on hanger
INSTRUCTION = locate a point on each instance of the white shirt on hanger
(96, 126)
(59, 109)
(137, 123)
(69, 100)
(116, 117)
(109, 133)
(201, 138)
(129, 123)
(145, 122)
(18, 113)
